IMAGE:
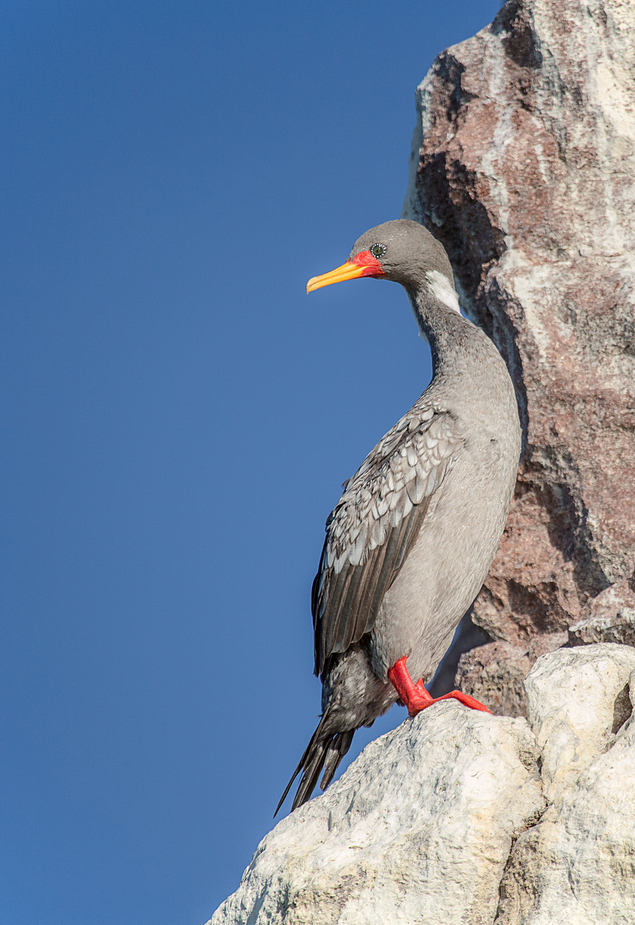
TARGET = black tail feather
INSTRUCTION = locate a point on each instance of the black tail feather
(337, 748)
(324, 751)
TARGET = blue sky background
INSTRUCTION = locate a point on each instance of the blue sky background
(178, 417)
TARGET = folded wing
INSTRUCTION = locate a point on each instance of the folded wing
(375, 525)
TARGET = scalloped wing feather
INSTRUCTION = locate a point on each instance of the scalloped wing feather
(375, 525)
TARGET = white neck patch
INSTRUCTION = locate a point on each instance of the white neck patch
(442, 289)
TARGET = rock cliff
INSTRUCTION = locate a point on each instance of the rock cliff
(523, 165)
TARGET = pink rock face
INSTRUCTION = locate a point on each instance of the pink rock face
(524, 167)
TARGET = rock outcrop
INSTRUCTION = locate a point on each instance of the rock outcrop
(459, 817)
(524, 167)
(577, 865)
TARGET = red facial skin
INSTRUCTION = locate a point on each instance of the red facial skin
(371, 264)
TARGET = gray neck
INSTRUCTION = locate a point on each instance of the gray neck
(456, 344)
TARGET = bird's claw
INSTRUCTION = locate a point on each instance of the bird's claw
(470, 702)
(416, 698)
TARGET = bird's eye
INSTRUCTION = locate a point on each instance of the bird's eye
(378, 250)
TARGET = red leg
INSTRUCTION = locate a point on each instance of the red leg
(415, 696)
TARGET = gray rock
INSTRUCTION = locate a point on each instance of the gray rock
(418, 829)
(443, 820)
(610, 617)
(589, 687)
(494, 673)
(577, 865)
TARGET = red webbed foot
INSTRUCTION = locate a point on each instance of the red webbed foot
(416, 698)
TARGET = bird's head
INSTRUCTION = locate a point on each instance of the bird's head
(401, 250)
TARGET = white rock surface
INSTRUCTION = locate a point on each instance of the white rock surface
(585, 684)
(443, 820)
(417, 830)
(577, 865)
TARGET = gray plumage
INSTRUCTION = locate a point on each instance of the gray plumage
(412, 538)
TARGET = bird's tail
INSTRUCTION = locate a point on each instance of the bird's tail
(324, 752)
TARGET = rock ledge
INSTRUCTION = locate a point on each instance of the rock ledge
(447, 820)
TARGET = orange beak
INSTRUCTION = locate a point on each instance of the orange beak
(363, 264)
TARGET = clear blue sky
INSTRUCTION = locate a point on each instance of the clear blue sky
(178, 417)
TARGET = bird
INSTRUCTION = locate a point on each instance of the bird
(411, 540)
